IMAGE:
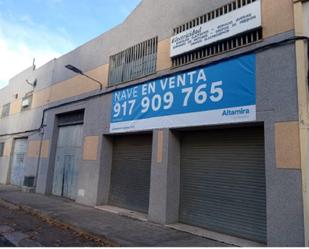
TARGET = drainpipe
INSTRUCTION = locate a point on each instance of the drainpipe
(302, 87)
(39, 159)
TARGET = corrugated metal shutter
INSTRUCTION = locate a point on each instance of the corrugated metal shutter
(130, 179)
(223, 182)
(18, 163)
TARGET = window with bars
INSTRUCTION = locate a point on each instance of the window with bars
(5, 110)
(221, 46)
(71, 118)
(134, 62)
(218, 48)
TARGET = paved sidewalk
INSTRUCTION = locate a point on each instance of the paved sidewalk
(23, 229)
(121, 230)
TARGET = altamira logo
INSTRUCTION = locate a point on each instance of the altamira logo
(236, 112)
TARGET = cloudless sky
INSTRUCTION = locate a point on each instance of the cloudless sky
(47, 29)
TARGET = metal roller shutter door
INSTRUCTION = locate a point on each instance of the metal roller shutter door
(130, 179)
(223, 182)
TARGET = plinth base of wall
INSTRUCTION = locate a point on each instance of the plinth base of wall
(123, 212)
(215, 236)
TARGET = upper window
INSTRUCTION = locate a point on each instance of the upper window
(133, 63)
(1, 149)
(26, 102)
(5, 110)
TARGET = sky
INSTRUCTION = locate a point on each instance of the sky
(47, 29)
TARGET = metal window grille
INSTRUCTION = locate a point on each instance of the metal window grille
(5, 110)
(218, 48)
(71, 118)
(221, 46)
(134, 62)
(212, 15)
(1, 149)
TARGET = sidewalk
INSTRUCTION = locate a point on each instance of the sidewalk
(121, 230)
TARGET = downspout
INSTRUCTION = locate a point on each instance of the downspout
(41, 130)
(39, 159)
(302, 88)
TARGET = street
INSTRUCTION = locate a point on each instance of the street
(18, 228)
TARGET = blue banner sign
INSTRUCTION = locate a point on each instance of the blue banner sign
(217, 94)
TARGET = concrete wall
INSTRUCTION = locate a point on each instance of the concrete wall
(306, 18)
(276, 84)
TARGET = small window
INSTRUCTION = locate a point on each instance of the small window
(26, 102)
(5, 110)
(1, 149)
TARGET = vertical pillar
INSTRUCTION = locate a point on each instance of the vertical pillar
(105, 170)
(7, 155)
(165, 178)
(44, 181)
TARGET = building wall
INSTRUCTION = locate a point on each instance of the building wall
(53, 77)
(306, 18)
(5, 160)
(276, 87)
(277, 110)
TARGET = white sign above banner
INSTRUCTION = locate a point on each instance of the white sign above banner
(238, 21)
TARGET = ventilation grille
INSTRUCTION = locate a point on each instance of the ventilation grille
(71, 118)
(133, 63)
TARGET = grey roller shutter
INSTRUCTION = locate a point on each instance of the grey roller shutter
(130, 179)
(223, 182)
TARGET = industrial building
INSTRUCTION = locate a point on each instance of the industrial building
(193, 114)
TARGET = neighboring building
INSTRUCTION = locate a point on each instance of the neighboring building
(202, 120)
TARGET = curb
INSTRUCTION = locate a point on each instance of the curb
(100, 239)
(8, 205)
